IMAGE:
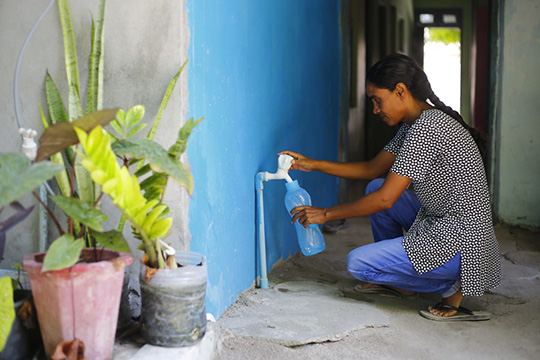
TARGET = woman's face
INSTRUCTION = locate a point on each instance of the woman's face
(387, 104)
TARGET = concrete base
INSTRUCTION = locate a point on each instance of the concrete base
(291, 315)
(204, 350)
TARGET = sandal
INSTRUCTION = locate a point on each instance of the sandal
(463, 314)
(385, 291)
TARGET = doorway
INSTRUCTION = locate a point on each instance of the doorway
(440, 33)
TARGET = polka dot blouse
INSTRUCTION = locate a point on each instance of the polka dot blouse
(448, 176)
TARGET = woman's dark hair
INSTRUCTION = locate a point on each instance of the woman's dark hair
(399, 68)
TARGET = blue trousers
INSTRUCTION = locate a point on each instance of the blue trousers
(385, 262)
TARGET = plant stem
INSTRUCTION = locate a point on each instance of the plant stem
(98, 199)
(161, 262)
(53, 218)
(148, 246)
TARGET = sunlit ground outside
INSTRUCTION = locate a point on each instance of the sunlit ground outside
(442, 63)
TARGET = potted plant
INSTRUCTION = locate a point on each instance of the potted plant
(82, 189)
(173, 297)
(77, 283)
(17, 177)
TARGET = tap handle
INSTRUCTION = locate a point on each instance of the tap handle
(285, 162)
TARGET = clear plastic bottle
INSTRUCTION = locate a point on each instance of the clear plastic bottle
(310, 240)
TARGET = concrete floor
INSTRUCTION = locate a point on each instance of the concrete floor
(314, 296)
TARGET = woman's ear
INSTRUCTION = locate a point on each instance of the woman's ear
(400, 89)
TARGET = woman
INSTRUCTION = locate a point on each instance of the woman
(449, 246)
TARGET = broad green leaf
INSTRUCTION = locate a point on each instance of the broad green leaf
(134, 115)
(136, 129)
(62, 178)
(18, 176)
(164, 102)
(112, 239)
(55, 105)
(63, 253)
(180, 145)
(81, 211)
(7, 310)
(158, 159)
(60, 136)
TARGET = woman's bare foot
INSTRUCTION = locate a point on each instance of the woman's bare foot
(370, 285)
(454, 300)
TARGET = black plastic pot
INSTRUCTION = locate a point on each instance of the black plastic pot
(173, 311)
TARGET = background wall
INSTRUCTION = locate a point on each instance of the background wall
(141, 56)
(517, 146)
(266, 77)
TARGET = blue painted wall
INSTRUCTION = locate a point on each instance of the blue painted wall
(266, 77)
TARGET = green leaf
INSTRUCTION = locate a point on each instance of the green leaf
(7, 310)
(153, 186)
(136, 129)
(158, 158)
(55, 105)
(18, 176)
(164, 102)
(116, 126)
(63, 253)
(143, 171)
(74, 103)
(95, 89)
(112, 239)
(180, 145)
(81, 211)
(121, 117)
(62, 178)
(70, 57)
(85, 185)
(134, 115)
(62, 135)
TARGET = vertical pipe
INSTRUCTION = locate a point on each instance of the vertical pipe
(260, 229)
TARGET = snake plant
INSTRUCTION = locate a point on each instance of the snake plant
(80, 192)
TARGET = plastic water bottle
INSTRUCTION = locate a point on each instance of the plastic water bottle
(311, 240)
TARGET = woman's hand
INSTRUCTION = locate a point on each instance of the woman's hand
(300, 162)
(306, 215)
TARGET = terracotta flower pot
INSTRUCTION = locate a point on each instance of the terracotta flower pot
(79, 302)
(173, 311)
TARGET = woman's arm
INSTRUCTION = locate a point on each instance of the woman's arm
(382, 199)
(365, 170)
